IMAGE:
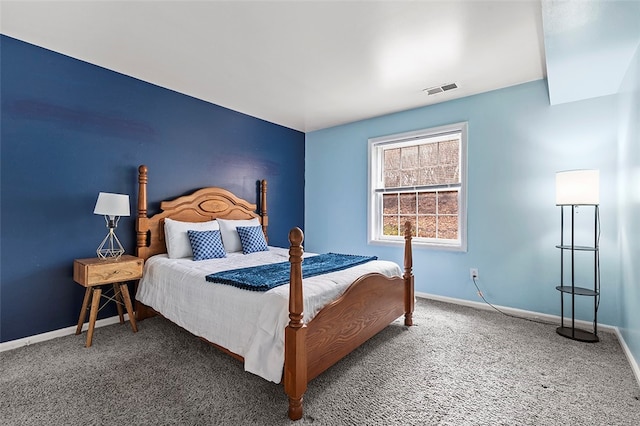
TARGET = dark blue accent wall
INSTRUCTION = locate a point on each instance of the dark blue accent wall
(70, 129)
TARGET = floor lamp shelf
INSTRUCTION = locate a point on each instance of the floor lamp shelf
(568, 287)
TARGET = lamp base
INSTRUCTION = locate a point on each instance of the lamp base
(108, 254)
(110, 248)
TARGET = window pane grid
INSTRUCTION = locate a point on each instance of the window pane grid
(433, 214)
(430, 163)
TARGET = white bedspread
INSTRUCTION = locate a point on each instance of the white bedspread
(248, 323)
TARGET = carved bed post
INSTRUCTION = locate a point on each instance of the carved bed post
(141, 228)
(408, 276)
(295, 355)
(263, 208)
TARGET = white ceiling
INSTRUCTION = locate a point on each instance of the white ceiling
(306, 65)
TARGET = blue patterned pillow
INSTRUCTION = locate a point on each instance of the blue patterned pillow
(206, 244)
(252, 239)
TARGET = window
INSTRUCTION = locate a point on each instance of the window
(419, 177)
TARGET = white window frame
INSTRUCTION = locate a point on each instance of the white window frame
(374, 222)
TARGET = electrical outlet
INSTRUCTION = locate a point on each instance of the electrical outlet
(473, 273)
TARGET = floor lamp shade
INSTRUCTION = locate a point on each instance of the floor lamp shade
(578, 187)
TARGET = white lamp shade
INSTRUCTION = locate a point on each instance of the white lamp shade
(112, 205)
(574, 187)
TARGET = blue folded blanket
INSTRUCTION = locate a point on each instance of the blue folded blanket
(266, 277)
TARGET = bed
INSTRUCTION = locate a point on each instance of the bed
(308, 334)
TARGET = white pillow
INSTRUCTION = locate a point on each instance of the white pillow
(230, 237)
(176, 238)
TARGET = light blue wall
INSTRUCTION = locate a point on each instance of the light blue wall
(588, 46)
(629, 202)
(517, 142)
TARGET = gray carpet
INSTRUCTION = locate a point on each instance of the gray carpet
(457, 366)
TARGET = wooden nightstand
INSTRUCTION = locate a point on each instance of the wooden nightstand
(93, 273)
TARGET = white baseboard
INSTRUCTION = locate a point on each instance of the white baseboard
(627, 352)
(26, 341)
(541, 317)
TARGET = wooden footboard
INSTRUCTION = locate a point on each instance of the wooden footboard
(369, 305)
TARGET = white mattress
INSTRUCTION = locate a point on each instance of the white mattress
(248, 323)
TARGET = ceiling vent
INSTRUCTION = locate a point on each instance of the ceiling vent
(439, 89)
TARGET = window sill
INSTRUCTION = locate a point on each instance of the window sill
(420, 245)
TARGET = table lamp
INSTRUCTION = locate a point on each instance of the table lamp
(112, 206)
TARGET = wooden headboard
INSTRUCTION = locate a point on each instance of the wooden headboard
(200, 206)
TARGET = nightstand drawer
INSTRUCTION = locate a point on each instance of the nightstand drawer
(95, 271)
